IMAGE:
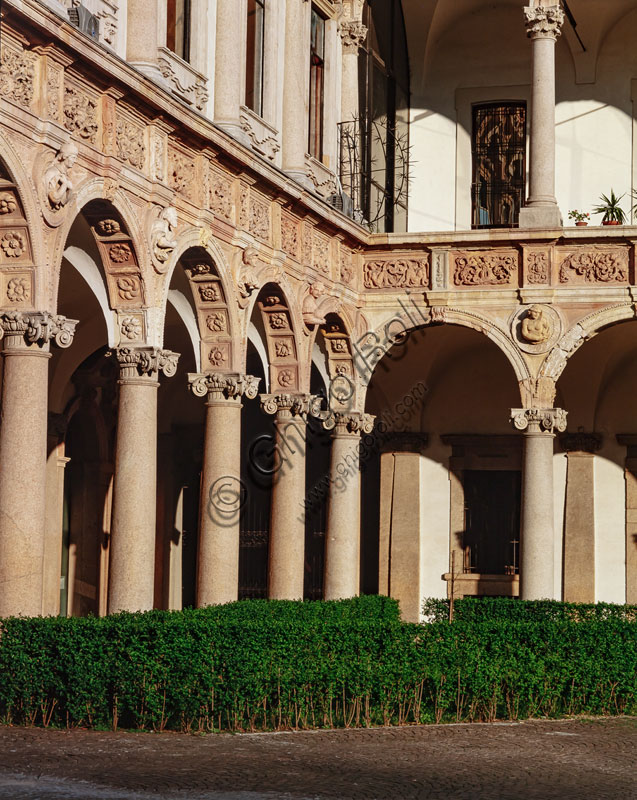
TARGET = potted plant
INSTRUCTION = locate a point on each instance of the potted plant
(613, 213)
(581, 217)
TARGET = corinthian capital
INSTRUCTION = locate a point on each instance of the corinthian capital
(543, 22)
(349, 424)
(223, 386)
(149, 361)
(36, 327)
(353, 35)
(539, 420)
(292, 405)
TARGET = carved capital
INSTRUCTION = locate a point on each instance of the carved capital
(290, 406)
(539, 420)
(581, 442)
(353, 424)
(223, 386)
(543, 22)
(353, 35)
(33, 327)
(146, 361)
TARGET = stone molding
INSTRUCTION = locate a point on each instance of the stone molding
(405, 442)
(581, 442)
(223, 386)
(543, 22)
(539, 420)
(397, 273)
(145, 361)
(352, 424)
(36, 327)
(291, 406)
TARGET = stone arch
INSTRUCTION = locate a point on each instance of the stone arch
(214, 306)
(587, 327)
(288, 373)
(371, 348)
(97, 198)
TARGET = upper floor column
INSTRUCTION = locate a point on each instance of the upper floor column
(543, 26)
(142, 36)
(132, 565)
(295, 88)
(230, 65)
(537, 527)
(23, 440)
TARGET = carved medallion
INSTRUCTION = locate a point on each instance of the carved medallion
(536, 328)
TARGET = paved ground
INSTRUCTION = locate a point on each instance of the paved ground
(569, 760)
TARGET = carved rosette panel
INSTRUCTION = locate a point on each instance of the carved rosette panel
(485, 268)
(181, 172)
(131, 327)
(259, 217)
(131, 146)
(594, 265)
(116, 247)
(321, 253)
(221, 195)
(212, 315)
(340, 364)
(537, 267)
(17, 71)
(81, 117)
(290, 235)
(16, 258)
(397, 273)
(282, 353)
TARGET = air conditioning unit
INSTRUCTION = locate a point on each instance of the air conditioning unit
(341, 201)
(88, 23)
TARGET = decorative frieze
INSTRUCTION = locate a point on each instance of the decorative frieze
(229, 386)
(17, 74)
(537, 267)
(321, 252)
(289, 235)
(346, 273)
(259, 217)
(37, 327)
(221, 195)
(181, 173)
(80, 114)
(146, 361)
(599, 265)
(484, 268)
(131, 147)
(53, 90)
(539, 420)
(397, 273)
(558, 357)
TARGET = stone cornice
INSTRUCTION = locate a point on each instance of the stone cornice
(290, 406)
(405, 442)
(36, 328)
(145, 361)
(543, 22)
(223, 386)
(539, 420)
(581, 442)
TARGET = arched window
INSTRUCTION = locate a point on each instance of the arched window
(383, 162)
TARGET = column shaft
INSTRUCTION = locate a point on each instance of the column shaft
(287, 521)
(142, 36)
(230, 60)
(296, 89)
(23, 436)
(342, 544)
(218, 560)
(131, 574)
(579, 529)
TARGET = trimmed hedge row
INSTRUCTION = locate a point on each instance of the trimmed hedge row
(258, 665)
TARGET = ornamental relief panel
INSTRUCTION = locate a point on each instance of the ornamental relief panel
(289, 235)
(259, 217)
(17, 71)
(346, 273)
(221, 195)
(131, 147)
(397, 273)
(321, 253)
(80, 113)
(485, 268)
(14, 245)
(53, 91)
(17, 289)
(594, 265)
(537, 267)
(181, 173)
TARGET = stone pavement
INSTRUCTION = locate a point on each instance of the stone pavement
(585, 759)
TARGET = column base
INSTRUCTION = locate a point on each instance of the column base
(235, 130)
(548, 216)
(152, 71)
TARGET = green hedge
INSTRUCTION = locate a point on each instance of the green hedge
(258, 665)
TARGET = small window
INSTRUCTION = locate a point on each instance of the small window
(255, 55)
(317, 79)
(492, 521)
(499, 164)
(178, 28)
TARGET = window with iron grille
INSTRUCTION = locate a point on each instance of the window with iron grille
(255, 55)
(178, 27)
(317, 77)
(499, 164)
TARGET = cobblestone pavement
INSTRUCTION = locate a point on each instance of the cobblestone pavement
(585, 759)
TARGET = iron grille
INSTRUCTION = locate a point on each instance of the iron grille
(499, 164)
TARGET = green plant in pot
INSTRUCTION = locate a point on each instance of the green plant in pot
(609, 206)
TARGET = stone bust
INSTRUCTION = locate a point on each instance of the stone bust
(57, 181)
(536, 328)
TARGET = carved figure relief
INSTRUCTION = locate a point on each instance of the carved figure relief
(311, 312)
(595, 266)
(80, 114)
(259, 218)
(484, 269)
(248, 281)
(347, 266)
(536, 328)
(279, 321)
(162, 237)
(321, 252)
(397, 273)
(57, 181)
(8, 203)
